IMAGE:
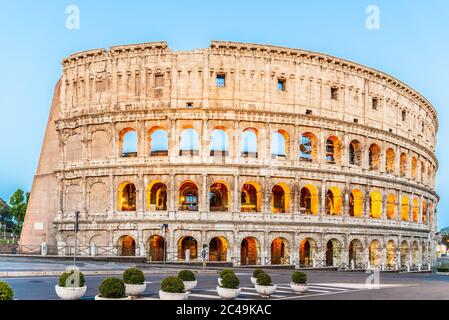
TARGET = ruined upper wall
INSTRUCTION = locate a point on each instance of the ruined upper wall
(124, 77)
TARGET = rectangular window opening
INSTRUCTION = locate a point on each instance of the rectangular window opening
(220, 80)
(282, 84)
(334, 93)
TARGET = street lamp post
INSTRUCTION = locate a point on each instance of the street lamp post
(77, 214)
(164, 232)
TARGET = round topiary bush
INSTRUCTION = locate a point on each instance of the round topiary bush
(230, 281)
(133, 276)
(225, 272)
(299, 277)
(112, 288)
(172, 285)
(72, 279)
(6, 292)
(257, 272)
(263, 279)
(186, 275)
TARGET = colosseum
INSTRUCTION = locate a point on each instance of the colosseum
(238, 153)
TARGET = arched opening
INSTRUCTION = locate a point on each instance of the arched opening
(355, 253)
(415, 210)
(158, 142)
(218, 197)
(404, 254)
(279, 144)
(391, 254)
(188, 196)
(403, 164)
(157, 196)
(375, 205)
(248, 251)
(187, 243)
(356, 203)
(249, 143)
(280, 199)
(219, 143)
(374, 157)
(415, 253)
(375, 253)
(156, 248)
(308, 147)
(355, 153)
(424, 211)
(414, 168)
(333, 201)
(333, 252)
(218, 248)
(333, 150)
(423, 253)
(391, 206)
(250, 198)
(309, 199)
(126, 197)
(390, 160)
(190, 142)
(306, 252)
(128, 143)
(126, 246)
(280, 251)
(423, 172)
(405, 208)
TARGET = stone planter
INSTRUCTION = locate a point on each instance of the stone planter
(253, 280)
(70, 293)
(98, 297)
(190, 285)
(228, 294)
(265, 291)
(135, 289)
(173, 296)
(442, 273)
(299, 287)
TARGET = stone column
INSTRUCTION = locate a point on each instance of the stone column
(236, 196)
(204, 205)
(323, 198)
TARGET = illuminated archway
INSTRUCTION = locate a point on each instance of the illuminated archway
(355, 253)
(156, 248)
(126, 246)
(188, 196)
(249, 251)
(415, 253)
(391, 206)
(280, 251)
(424, 211)
(356, 203)
(126, 197)
(333, 150)
(333, 253)
(375, 253)
(280, 198)
(403, 164)
(333, 201)
(375, 205)
(157, 196)
(404, 253)
(309, 199)
(374, 157)
(251, 200)
(405, 208)
(308, 147)
(307, 250)
(414, 168)
(415, 209)
(189, 243)
(390, 160)
(219, 197)
(218, 247)
(391, 254)
(355, 153)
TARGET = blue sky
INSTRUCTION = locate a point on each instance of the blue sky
(411, 44)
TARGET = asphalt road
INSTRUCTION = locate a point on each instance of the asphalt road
(323, 285)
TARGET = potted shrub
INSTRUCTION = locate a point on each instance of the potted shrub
(189, 280)
(172, 288)
(223, 273)
(299, 282)
(6, 292)
(229, 288)
(264, 286)
(112, 289)
(443, 270)
(71, 285)
(134, 282)
(255, 274)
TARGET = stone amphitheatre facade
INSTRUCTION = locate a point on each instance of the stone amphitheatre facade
(256, 154)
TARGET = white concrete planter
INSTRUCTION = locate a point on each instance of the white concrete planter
(173, 296)
(228, 294)
(190, 285)
(299, 288)
(70, 293)
(219, 281)
(265, 291)
(135, 289)
(98, 297)
(253, 280)
(442, 273)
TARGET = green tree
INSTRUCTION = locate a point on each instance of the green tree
(6, 217)
(18, 208)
